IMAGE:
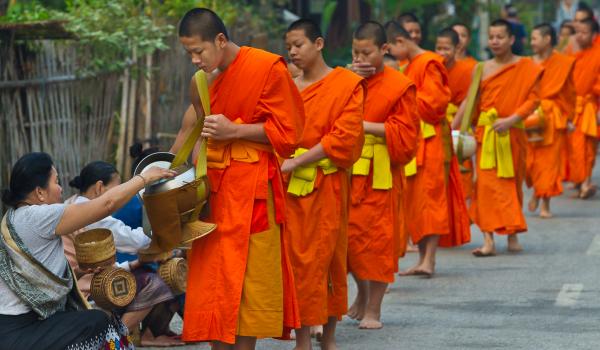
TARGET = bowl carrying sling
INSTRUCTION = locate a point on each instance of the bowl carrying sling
(174, 214)
(465, 145)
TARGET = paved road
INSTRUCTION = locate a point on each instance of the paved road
(545, 298)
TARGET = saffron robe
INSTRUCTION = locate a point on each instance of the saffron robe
(545, 159)
(584, 139)
(374, 223)
(497, 203)
(435, 198)
(459, 81)
(242, 206)
(317, 224)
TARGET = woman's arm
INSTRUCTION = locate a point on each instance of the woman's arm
(77, 216)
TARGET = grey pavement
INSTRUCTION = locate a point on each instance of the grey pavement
(547, 297)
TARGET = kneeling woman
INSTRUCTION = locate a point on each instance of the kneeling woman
(152, 292)
(41, 307)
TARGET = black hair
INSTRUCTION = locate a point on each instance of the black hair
(138, 152)
(203, 23)
(92, 173)
(31, 171)
(408, 17)
(393, 30)
(511, 10)
(371, 30)
(591, 23)
(311, 29)
(503, 23)
(568, 24)
(450, 34)
(547, 29)
(583, 7)
(461, 24)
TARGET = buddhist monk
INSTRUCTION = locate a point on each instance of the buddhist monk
(436, 211)
(583, 140)
(464, 39)
(508, 92)
(240, 282)
(446, 45)
(566, 32)
(583, 13)
(557, 95)
(391, 127)
(318, 188)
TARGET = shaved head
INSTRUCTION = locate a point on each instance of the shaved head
(394, 30)
(371, 30)
(311, 28)
(203, 23)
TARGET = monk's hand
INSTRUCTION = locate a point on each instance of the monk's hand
(363, 69)
(219, 127)
(502, 125)
(289, 165)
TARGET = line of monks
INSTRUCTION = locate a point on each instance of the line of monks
(330, 172)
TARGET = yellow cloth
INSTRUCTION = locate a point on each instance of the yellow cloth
(302, 181)
(585, 115)
(375, 149)
(261, 304)
(496, 151)
(427, 130)
(220, 153)
(451, 111)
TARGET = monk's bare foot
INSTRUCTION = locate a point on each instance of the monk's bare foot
(316, 332)
(513, 244)
(409, 272)
(357, 310)
(388, 290)
(587, 192)
(533, 203)
(370, 323)
(484, 252)
(546, 214)
(425, 271)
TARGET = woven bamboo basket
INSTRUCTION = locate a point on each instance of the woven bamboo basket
(113, 288)
(174, 273)
(95, 248)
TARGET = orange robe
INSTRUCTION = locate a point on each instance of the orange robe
(373, 231)
(497, 204)
(545, 163)
(583, 140)
(316, 224)
(434, 195)
(459, 81)
(241, 203)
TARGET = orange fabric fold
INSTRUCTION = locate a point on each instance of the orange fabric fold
(432, 196)
(316, 226)
(583, 141)
(374, 234)
(497, 203)
(218, 262)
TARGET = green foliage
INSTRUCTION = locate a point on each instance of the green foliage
(26, 12)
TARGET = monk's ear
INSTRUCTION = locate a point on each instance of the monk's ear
(320, 43)
(220, 40)
(512, 40)
(385, 47)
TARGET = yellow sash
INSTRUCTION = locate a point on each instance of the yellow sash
(496, 151)
(427, 130)
(375, 149)
(451, 111)
(302, 181)
(585, 115)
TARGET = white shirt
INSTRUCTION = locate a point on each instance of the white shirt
(127, 239)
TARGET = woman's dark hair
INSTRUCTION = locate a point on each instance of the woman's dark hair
(29, 172)
(92, 173)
